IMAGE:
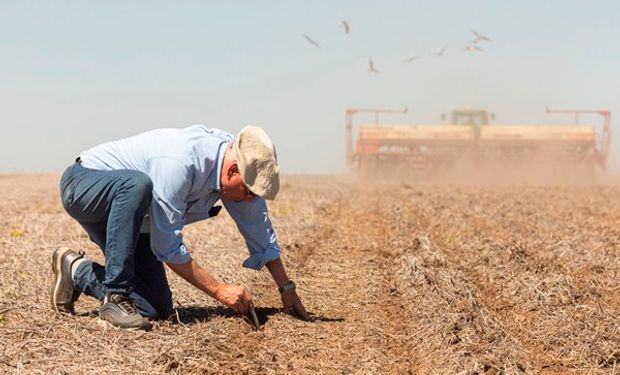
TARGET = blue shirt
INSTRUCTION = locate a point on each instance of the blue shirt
(185, 165)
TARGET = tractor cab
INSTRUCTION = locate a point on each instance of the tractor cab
(470, 117)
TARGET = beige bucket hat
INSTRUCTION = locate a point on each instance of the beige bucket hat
(258, 164)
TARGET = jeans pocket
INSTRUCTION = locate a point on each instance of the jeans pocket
(67, 188)
(67, 196)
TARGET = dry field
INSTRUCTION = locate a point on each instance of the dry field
(401, 278)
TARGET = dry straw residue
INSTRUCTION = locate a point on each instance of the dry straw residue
(401, 278)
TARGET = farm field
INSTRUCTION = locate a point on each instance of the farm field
(400, 277)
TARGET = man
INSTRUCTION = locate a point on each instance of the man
(133, 197)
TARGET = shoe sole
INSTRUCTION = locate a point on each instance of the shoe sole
(105, 324)
(56, 269)
(57, 258)
(144, 324)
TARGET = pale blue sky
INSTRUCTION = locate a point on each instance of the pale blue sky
(77, 73)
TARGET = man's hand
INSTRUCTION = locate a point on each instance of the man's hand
(236, 297)
(233, 296)
(290, 299)
(293, 306)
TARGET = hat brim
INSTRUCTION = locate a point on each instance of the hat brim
(257, 162)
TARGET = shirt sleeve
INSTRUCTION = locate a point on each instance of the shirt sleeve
(253, 222)
(171, 184)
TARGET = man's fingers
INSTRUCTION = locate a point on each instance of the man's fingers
(243, 302)
(297, 310)
(302, 311)
(298, 313)
(293, 305)
(239, 307)
(237, 298)
(247, 302)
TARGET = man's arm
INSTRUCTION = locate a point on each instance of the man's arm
(253, 222)
(233, 296)
(290, 299)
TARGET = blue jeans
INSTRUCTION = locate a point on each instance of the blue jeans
(110, 206)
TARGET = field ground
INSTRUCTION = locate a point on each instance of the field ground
(400, 278)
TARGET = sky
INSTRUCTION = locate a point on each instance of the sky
(74, 74)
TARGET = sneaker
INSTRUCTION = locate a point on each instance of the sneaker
(62, 292)
(118, 310)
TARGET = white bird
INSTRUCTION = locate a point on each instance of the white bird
(411, 59)
(371, 67)
(311, 41)
(479, 37)
(440, 52)
(473, 48)
(345, 26)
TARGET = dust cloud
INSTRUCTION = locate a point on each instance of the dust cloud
(541, 171)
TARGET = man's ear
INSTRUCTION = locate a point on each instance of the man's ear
(232, 169)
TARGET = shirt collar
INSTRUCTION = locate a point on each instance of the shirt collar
(220, 164)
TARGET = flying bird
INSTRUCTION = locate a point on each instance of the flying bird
(411, 59)
(473, 48)
(371, 67)
(440, 52)
(479, 37)
(311, 41)
(345, 26)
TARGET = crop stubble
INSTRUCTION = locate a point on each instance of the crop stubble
(400, 278)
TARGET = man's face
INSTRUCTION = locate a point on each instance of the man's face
(233, 188)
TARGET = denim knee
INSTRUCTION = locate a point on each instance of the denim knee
(159, 307)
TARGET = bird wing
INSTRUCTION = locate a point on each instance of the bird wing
(480, 37)
(411, 59)
(371, 66)
(311, 41)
